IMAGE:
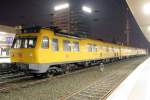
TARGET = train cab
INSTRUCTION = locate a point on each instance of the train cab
(26, 47)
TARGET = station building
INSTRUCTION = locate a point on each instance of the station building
(72, 19)
(7, 34)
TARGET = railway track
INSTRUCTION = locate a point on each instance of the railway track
(11, 77)
(9, 74)
(30, 81)
(5, 81)
(100, 89)
(20, 76)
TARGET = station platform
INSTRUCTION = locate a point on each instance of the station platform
(5, 60)
(136, 86)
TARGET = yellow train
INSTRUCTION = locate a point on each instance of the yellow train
(45, 50)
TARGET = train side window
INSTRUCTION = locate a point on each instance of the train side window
(100, 47)
(67, 45)
(107, 49)
(55, 46)
(45, 42)
(103, 48)
(76, 47)
(113, 49)
(94, 47)
(110, 49)
(89, 47)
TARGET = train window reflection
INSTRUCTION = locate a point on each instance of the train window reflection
(76, 47)
(55, 46)
(67, 46)
(45, 42)
(94, 48)
(89, 47)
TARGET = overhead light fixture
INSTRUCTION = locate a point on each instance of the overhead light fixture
(61, 7)
(148, 28)
(2, 38)
(87, 9)
(3, 33)
(146, 8)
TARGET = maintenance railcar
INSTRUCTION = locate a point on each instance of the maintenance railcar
(43, 50)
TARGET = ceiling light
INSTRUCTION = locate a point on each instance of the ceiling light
(3, 33)
(61, 7)
(87, 9)
(148, 28)
(146, 9)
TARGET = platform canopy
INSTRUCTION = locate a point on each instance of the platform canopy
(6, 35)
(141, 11)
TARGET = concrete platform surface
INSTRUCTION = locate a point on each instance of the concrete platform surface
(5, 60)
(136, 86)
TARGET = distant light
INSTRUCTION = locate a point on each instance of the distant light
(148, 28)
(87, 9)
(146, 9)
(61, 7)
(2, 38)
(3, 33)
(5, 60)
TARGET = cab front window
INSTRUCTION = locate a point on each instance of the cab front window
(24, 42)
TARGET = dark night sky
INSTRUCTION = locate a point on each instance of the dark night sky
(109, 24)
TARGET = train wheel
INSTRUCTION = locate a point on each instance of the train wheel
(45, 75)
(42, 75)
(35, 75)
(86, 64)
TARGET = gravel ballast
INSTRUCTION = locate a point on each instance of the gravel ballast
(61, 87)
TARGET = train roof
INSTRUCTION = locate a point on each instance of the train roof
(59, 32)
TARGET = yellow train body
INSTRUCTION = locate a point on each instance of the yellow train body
(85, 50)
